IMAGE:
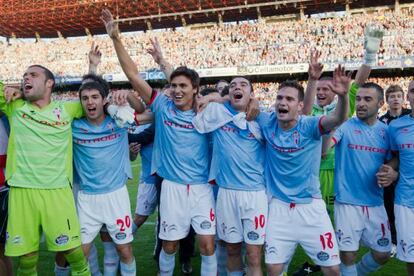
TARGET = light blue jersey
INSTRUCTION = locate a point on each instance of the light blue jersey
(146, 156)
(360, 151)
(292, 158)
(180, 153)
(238, 158)
(101, 156)
(401, 138)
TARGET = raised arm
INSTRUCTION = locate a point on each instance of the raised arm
(156, 53)
(340, 86)
(127, 64)
(94, 57)
(314, 72)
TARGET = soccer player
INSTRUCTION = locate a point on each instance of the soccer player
(180, 156)
(362, 147)
(102, 168)
(297, 214)
(394, 95)
(41, 127)
(237, 166)
(401, 133)
(6, 266)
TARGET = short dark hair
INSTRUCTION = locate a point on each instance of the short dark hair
(225, 91)
(378, 89)
(294, 84)
(49, 75)
(246, 78)
(191, 74)
(93, 85)
(221, 81)
(98, 79)
(393, 89)
(326, 78)
(208, 90)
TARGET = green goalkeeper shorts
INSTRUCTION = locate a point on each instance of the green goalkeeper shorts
(36, 211)
(326, 177)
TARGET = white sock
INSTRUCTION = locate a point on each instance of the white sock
(93, 261)
(209, 265)
(348, 270)
(111, 258)
(62, 271)
(167, 263)
(128, 269)
(221, 254)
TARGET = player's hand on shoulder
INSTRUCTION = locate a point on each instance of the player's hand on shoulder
(12, 93)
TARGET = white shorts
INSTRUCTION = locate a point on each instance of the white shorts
(182, 206)
(308, 225)
(404, 218)
(146, 199)
(112, 209)
(369, 224)
(241, 216)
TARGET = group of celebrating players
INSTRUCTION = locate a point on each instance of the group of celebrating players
(274, 171)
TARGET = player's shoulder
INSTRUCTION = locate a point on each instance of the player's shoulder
(403, 121)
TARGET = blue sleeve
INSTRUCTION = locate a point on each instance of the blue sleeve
(158, 101)
(263, 119)
(338, 134)
(312, 126)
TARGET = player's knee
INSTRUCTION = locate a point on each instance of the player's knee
(331, 270)
(207, 244)
(348, 258)
(381, 257)
(27, 264)
(233, 250)
(169, 247)
(274, 269)
(125, 253)
(254, 258)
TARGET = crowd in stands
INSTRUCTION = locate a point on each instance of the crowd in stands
(339, 38)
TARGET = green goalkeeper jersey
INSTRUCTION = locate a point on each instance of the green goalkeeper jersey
(329, 162)
(40, 143)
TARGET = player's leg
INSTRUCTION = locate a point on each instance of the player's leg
(281, 236)
(186, 251)
(404, 216)
(146, 204)
(6, 266)
(116, 210)
(111, 257)
(203, 220)
(254, 217)
(61, 227)
(377, 236)
(230, 229)
(175, 222)
(318, 237)
(23, 227)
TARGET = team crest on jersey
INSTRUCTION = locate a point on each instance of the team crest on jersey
(383, 242)
(322, 256)
(57, 111)
(296, 137)
(120, 236)
(110, 126)
(205, 225)
(252, 236)
(62, 240)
